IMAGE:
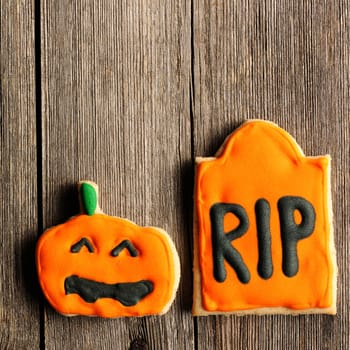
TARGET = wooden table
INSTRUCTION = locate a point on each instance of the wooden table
(126, 94)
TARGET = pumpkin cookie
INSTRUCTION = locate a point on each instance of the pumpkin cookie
(263, 237)
(99, 265)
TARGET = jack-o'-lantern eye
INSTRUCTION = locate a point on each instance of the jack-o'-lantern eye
(126, 244)
(75, 248)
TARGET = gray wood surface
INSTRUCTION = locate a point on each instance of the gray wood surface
(115, 110)
(127, 94)
(288, 63)
(19, 301)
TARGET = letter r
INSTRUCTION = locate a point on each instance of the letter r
(221, 241)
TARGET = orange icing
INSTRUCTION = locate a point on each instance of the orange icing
(260, 160)
(155, 262)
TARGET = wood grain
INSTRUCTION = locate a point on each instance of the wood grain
(129, 93)
(287, 62)
(19, 301)
(115, 109)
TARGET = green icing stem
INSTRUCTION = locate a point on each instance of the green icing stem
(88, 198)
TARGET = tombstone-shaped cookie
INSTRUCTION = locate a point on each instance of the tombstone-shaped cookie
(263, 239)
(100, 265)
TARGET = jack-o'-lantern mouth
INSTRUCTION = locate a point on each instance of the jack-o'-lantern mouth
(128, 294)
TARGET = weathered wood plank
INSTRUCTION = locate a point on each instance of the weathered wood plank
(115, 81)
(19, 302)
(288, 62)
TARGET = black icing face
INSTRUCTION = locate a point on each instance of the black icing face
(128, 293)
